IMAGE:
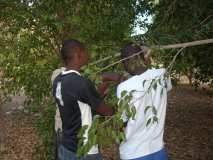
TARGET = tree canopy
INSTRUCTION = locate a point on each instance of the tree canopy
(178, 21)
(32, 32)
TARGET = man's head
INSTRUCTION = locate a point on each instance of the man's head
(136, 64)
(73, 52)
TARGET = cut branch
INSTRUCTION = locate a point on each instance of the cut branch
(184, 45)
(119, 61)
(171, 46)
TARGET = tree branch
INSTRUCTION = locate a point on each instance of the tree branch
(169, 68)
(119, 61)
(171, 46)
(184, 45)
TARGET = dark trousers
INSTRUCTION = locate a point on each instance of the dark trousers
(61, 153)
(56, 143)
(65, 154)
(160, 155)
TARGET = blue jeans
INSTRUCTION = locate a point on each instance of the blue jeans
(65, 154)
(160, 155)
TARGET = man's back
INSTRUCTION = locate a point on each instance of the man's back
(142, 140)
(75, 97)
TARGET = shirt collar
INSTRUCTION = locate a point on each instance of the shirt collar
(70, 71)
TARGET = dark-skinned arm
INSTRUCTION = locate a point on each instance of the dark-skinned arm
(113, 77)
(102, 89)
(105, 110)
(90, 95)
(107, 79)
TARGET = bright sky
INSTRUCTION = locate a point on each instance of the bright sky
(140, 30)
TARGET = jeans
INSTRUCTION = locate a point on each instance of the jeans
(65, 154)
(56, 142)
(160, 155)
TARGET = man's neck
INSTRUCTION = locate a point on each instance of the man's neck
(138, 72)
(73, 67)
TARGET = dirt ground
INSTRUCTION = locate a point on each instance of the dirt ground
(188, 134)
(189, 124)
(18, 139)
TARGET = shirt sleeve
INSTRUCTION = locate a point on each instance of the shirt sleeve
(89, 94)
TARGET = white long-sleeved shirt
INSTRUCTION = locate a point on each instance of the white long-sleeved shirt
(142, 140)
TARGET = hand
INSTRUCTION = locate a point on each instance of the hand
(146, 55)
(112, 77)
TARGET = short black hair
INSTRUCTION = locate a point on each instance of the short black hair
(70, 47)
(129, 49)
(133, 65)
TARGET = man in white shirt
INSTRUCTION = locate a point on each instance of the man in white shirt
(144, 133)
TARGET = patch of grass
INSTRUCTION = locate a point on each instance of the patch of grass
(45, 126)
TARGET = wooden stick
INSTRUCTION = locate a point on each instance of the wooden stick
(119, 61)
(184, 45)
(171, 46)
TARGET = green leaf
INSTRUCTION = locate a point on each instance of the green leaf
(114, 136)
(147, 108)
(154, 110)
(144, 82)
(159, 81)
(148, 122)
(155, 119)
(94, 140)
(82, 131)
(133, 112)
(128, 98)
(122, 136)
(125, 105)
(128, 112)
(166, 85)
(98, 81)
(121, 103)
(155, 85)
(152, 82)
(132, 91)
(161, 92)
(123, 93)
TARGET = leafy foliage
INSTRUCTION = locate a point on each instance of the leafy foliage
(106, 130)
(182, 21)
(32, 32)
(45, 126)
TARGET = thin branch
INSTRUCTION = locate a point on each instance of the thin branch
(172, 46)
(184, 45)
(169, 68)
(119, 61)
(203, 21)
(102, 60)
(168, 71)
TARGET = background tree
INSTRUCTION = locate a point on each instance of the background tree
(177, 21)
(32, 32)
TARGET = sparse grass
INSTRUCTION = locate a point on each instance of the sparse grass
(45, 126)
